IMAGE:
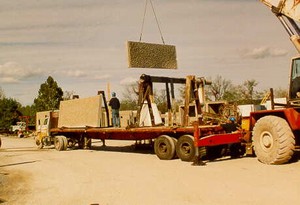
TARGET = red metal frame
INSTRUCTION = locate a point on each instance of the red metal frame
(291, 115)
(141, 133)
(216, 139)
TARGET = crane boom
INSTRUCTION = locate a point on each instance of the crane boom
(288, 12)
(289, 8)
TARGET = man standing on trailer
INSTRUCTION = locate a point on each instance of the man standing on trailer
(114, 103)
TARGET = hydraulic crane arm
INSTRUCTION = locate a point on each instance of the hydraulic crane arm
(288, 12)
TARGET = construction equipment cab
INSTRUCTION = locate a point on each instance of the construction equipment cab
(275, 132)
(288, 13)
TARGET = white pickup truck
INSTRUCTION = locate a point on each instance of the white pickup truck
(18, 128)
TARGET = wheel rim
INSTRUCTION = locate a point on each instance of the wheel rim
(162, 148)
(266, 141)
(185, 148)
(38, 142)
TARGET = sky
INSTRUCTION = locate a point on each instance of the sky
(82, 43)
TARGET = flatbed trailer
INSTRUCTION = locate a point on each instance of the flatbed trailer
(65, 128)
(183, 142)
(141, 133)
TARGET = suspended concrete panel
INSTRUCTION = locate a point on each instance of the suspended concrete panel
(149, 55)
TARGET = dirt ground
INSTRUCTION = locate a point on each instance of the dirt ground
(119, 174)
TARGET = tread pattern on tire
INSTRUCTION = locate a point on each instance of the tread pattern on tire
(170, 147)
(283, 139)
(59, 143)
(65, 142)
(189, 141)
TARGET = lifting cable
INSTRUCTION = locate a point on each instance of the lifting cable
(145, 11)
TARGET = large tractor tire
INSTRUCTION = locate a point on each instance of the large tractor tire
(164, 147)
(59, 143)
(185, 148)
(273, 140)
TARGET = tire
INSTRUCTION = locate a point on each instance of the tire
(71, 143)
(164, 147)
(65, 142)
(80, 142)
(273, 140)
(185, 148)
(175, 143)
(39, 144)
(87, 143)
(59, 143)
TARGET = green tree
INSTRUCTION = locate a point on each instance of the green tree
(49, 96)
(2, 95)
(29, 111)
(9, 112)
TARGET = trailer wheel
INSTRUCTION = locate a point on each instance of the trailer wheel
(273, 140)
(80, 142)
(87, 143)
(65, 142)
(175, 143)
(39, 144)
(185, 148)
(71, 143)
(59, 143)
(164, 147)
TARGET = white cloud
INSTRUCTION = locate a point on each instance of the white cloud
(74, 73)
(102, 77)
(12, 72)
(263, 52)
(128, 81)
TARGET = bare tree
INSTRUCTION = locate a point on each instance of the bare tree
(130, 97)
(247, 92)
(68, 95)
(280, 93)
(219, 88)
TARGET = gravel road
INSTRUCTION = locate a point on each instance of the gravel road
(119, 174)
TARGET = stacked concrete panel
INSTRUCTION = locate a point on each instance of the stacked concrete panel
(80, 112)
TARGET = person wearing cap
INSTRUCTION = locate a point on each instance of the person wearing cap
(114, 103)
(231, 125)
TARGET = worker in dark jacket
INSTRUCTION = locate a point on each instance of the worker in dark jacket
(114, 103)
